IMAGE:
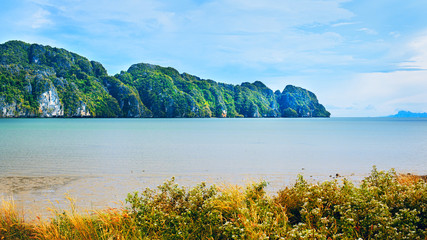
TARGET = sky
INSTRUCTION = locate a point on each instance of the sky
(362, 58)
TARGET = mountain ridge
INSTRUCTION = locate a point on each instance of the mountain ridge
(409, 114)
(44, 81)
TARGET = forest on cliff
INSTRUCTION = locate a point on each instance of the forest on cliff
(44, 81)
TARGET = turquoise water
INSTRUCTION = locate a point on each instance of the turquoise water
(234, 147)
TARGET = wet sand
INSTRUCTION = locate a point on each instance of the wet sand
(16, 184)
(36, 195)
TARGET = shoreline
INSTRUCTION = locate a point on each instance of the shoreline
(328, 210)
(35, 195)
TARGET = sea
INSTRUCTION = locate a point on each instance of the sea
(103, 159)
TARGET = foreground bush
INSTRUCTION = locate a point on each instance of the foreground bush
(382, 206)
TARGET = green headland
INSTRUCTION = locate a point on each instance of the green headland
(43, 81)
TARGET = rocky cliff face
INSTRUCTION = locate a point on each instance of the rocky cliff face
(127, 98)
(41, 81)
(13, 109)
(299, 102)
(81, 110)
(50, 106)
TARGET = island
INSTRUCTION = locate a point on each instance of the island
(44, 81)
(408, 114)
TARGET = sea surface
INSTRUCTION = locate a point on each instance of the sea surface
(39, 147)
(121, 155)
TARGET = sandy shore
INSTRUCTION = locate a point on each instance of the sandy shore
(16, 184)
(36, 195)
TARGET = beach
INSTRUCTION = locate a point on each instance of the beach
(37, 196)
(99, 161)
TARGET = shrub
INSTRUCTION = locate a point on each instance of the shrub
(384, 206)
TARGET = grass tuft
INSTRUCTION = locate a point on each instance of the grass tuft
(384, 206)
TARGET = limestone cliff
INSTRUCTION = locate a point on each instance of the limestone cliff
(50, 106)
(299, 102)
(41, 81)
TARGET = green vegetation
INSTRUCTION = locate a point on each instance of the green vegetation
(300, 101)
(27, 71)
(78, 87)
(384, 206)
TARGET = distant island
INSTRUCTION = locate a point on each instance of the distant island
(408, 114)
(43, 81)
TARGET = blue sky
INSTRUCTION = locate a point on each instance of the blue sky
(361, 58)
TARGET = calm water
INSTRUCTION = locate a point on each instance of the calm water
(234, 147)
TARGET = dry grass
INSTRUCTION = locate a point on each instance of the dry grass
(410, 179)
(384, 206)
(12, 224)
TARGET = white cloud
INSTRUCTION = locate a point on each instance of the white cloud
(368, 31)
(395, 34)
(293, 13)
(392, 85)
(381, 94)
(259, 34)
(40, 19)
(209, 35)
(269, 16)
(340, 24)
(418, 48)
(388, 92)
(304, 42)
(252, 34)
(30, 17)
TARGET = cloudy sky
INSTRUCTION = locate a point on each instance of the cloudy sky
(361, 57)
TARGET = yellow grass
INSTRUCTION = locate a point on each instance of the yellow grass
(384, 206)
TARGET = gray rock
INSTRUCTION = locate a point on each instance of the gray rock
(82, 111)
(50, 106)
(12, 109)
